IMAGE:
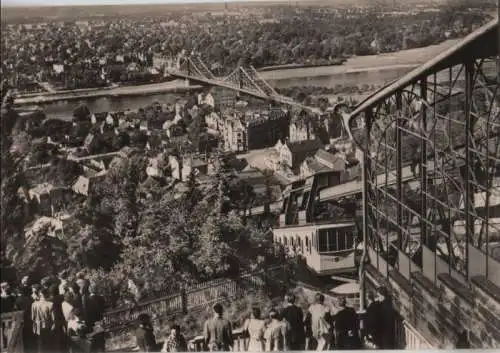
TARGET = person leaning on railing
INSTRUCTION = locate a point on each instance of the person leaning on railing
(217, 332)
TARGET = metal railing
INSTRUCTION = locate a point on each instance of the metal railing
(11, 332)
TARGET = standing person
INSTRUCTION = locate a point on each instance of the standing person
(255, 328)
(59, 319)
(83, 286)
(63, 282)
(144, 334)
(318, 321)
(25, 283)
(35, 291)
(77, 332)
(372, 315)
(42, 315)
(8, 300)
(175, 342)
(24, 302)
(67, 306)
(463, 340)
(74, 292)
(217, 331)
(386, 320)
(275, 334)
(96, 306)
(295, 317)
(346, 327)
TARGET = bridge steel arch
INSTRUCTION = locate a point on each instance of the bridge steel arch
(431, 146)
(245, 80)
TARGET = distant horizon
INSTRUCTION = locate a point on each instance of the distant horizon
(83, 3)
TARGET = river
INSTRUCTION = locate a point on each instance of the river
(370, 70)
(64, 109)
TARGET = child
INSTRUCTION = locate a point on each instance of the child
(175, 342)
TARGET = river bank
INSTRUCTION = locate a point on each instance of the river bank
(363, 69)
(177, 86)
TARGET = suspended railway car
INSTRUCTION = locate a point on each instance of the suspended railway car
(325, 238)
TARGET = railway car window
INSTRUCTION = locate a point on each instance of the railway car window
(332, 240)
(322, 241)
(341, 240)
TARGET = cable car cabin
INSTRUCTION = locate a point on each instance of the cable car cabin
(327, 248)
(326, 243)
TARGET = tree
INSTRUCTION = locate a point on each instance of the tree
(21, 145)
(42, 255)
(193, 195)
(81, 113)
(160, 252)
(65, 172)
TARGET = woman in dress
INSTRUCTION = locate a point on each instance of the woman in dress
(255, 328)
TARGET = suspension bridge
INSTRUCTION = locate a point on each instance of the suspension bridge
(244, 80)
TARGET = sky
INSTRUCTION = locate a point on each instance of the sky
(109, 2)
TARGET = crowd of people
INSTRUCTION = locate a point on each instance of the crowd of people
(289, 329)
(60, 315)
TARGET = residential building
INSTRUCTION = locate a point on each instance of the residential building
(234, 134)
(209, 100)
(85, 184)
(40, 197)
(155, 167)
(223, 98)
(175, 167)
(214, 123)
(265, 128)
(330, 160)
(301, 131)
(292, 154)
(248, 129)
(193, 164)
(54, 227)
(181, 168)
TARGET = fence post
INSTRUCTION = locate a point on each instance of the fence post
(264, 275)
(184, 301)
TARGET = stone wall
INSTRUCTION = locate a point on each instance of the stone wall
(440, 311)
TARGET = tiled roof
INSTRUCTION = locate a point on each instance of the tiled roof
(326, 156)
(304, 146)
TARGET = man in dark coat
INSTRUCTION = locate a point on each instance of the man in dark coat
(23, 303)
(95, 306)
(386, 320)
(295, 317)
(144, 334)
(372, 316)
(346, 327)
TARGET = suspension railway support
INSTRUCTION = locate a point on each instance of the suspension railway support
(431, 146)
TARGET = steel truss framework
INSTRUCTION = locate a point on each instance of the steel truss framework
(432, 164)
(243, 79)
